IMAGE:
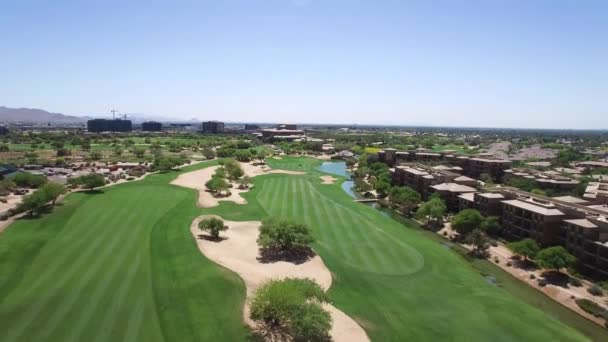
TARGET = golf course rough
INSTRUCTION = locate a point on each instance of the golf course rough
(122, 266)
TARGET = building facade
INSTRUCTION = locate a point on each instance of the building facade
(106, 125)
(152, 126)
(213, 127)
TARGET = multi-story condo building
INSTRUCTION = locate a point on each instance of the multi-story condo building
(152, 126)
(587, 240)
(450, 192)
(529, 218)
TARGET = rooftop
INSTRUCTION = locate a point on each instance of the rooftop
(534, 208)
(465, 179)
(581, 223)
(570, 199)
(469, 196)
(491, 195)
(453, 187)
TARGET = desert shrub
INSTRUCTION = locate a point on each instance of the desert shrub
(532, 276)
(591, 307)
(29, 180)
(509, 263)
(575, 282)
(542, 283)
(290, 309)
(595, 290)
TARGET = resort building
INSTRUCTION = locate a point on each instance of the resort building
(597, 192)
(587, 240)
(449, 192)
(528, 218)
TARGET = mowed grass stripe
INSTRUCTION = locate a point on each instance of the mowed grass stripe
(92, 268)
(63, 258)
(51, 292)
(118, 304)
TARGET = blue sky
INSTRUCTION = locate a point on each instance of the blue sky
(499, 63)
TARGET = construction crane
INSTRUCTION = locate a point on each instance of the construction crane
(124, 116)
(113, 111)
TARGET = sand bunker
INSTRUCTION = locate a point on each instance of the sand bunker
(252, 170)
(238, 251)
(196, 180)
(328, 179)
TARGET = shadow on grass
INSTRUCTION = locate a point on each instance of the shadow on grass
(93, 192)
(295, 255)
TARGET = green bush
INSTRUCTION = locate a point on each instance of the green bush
(284, 235)
(575, 282)
(291, 309)
(28, 180)
(591, 307)
(595, 290)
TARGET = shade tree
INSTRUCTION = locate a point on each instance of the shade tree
(213, 226)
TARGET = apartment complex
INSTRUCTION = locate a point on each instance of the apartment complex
(578, 226)
(471, 167)
(106, 125)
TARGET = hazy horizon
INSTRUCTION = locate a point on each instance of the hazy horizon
(516, 64)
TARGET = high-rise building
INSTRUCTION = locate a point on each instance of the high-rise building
(105, 125)
(213, 127)
(152, 126)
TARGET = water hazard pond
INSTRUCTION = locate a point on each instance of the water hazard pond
(339, 168)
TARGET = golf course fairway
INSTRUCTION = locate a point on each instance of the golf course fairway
(121, 265)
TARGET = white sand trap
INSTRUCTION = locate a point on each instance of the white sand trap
(239, 251)
(327, 179)
(257, 170)
(196, 180)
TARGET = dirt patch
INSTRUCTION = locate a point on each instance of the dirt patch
(328, 179)
(238, 251)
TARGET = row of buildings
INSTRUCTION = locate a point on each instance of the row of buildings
(578, 224)
(120, 125)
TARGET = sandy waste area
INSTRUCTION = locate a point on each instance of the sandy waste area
(328, 179)
(196, 180)
(238, 251)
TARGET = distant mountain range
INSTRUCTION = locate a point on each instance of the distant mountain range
(31, 115)
(36, 115)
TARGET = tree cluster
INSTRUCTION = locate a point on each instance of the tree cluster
(37, 200)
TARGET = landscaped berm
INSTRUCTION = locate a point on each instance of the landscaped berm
(123, 265)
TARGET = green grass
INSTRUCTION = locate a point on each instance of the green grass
(119, 265)
(399, 284)
(122, 265)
